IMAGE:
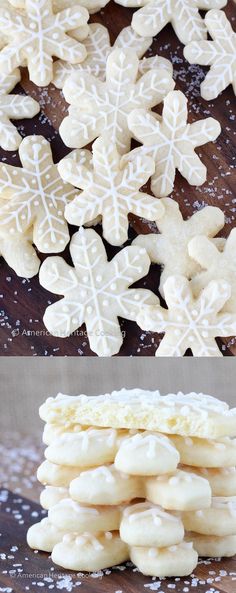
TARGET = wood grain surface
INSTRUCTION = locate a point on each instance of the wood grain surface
(24, 570)
(23, 302)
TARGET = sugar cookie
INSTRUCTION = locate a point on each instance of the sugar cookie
(218, 520)
(19, 252)
(69, 515)
(13, 107)
(106, 485)
(181, 491)
(86, 448)
(95, 291)
(111, 190)
(190, 414)
(43, 535)
(145, 524)
(98, 107)
(89, 553)
(53, 431)
(190, 322)
(178, 561)
(219, 54)
(58, 5)
(56, 475)
(147, 454)
(51, 495)
(222, 481)
(212, 546)
(206, 452)
(38, 34)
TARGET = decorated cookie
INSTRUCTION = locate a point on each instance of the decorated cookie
(13, 107)
(145, 524)
(212, 546)
(170, 246)
(171, 142)
(111, 190)
(106, 485)
(43, 535)
(38, 34)
(222, 480)
(52, 431)
(206, 452)
(190, 322)
(178, 561)
(95, 291)
(35, 197)
(69, 516)
(56, 475)
(19, 252)
(89, 552)
(51, 495)
(181, 491)
(216, 265)
(219, 519)
(219, 54)
(147, 454)
(58, 5)
(184, 16)
(98, 107)
(86, 448)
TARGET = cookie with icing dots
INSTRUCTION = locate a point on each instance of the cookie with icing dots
(44, 536)
(86, 448)
(222, 480)
(56, 475)
(212, 546)
(182, 491)
(147, 453)
(106, 485)
(219, 519)
(178, 560)
(90, 552)
(70, 516)
(206, 452)
(145, 524)
(51, 495)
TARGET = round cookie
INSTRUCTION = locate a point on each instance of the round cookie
(222, 481)
(145, 524)
(56, 475)
(218, 520)
(175, 561)
(105, 485)
(182, 491)
(89, 553)
(206, 452)
(213, 546)
(52, 495)
(69, 515)
(44, 536)
(147, 454)
(52, 431)
(86, 448)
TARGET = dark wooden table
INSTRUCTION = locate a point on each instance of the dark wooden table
(23, 302)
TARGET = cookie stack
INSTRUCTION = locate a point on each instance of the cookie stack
(116, 487)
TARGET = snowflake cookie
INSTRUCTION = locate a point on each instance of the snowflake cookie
(91, 5)
(220, 54)
(170, 247)
(182, 14)
(19, 253)
(96, 292)
(216, 265)
(38, 34)
(98, 47)
(98, 107)
(13, 107)
(110, 190)
(189, 322)
(171, 142)
(35, 196)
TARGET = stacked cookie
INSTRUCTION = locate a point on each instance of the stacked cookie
(116, 487)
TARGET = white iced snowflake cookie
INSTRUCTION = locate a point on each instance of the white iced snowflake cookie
(171, 142)
(90, 552)
(110, 190)
(19, 252)
(170, 246)
(179, 560)
(35, 197)
(86, 448)
(147, 454)
(212, 546)
(145, 524)
(69, 515)
(95, 291)
(98, 107)
(51, 495)
(182, 491)
(44, 536)
(206, 452)
(190, 322)
(106, 485)
(218, 53)
(56, 475)
(222, 481)
(13, 107)
(219, 519)
(38, 34)
(184, 16)
(216, 265)
(91, 5)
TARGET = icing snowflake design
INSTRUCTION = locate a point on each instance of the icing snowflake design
(110, 190)
(170, 246)
(102, 107)
(95, 291)
(35, 195)
(219, 54)
(217, 265)
(189, 322)
(98, 47)
(171, 142)
(182, 14)
(13, 107)
(19, 253)
(91, 5)
(37, 34)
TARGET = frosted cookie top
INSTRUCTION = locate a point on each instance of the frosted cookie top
(189, 414)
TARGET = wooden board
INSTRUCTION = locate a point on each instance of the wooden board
(23, 302)
(24, 570)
